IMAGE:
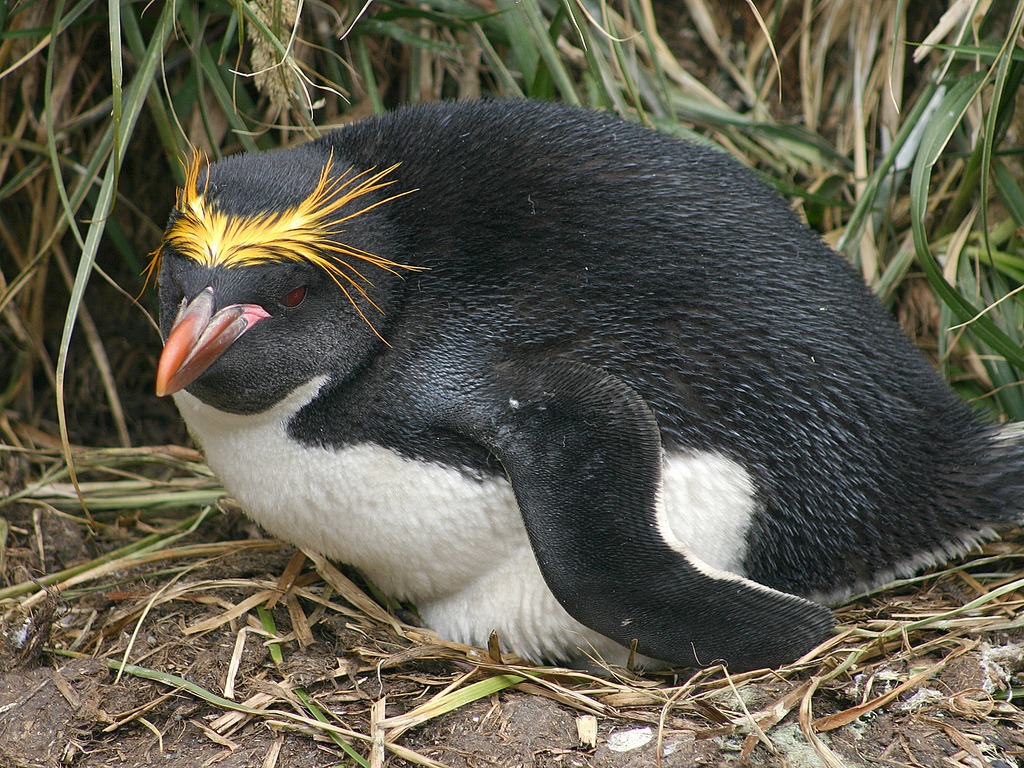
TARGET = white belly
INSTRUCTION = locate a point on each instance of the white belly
(452, 544)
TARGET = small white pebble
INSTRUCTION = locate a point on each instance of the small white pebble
(626, 741)
(19, 635)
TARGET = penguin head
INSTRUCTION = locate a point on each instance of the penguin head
(268, 276)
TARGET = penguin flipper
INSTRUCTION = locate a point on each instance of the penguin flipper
(582, 451)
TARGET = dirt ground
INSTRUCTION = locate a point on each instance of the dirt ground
(946, 697)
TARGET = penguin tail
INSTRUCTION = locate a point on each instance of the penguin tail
(1006, 456)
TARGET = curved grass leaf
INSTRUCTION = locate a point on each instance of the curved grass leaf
(947, 118)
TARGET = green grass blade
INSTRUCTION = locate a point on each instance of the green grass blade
(1010, 193)
(116, 69)
(134, 101)
(270, 627)
(933, 143)
(51, 134)
(314, 710)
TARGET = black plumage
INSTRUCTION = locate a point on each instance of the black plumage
(582, 305)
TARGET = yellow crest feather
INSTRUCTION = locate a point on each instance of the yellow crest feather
(305, 232)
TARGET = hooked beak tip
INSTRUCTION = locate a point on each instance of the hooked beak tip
(163, 386)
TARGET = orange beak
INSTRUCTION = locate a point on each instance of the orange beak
(198, 337)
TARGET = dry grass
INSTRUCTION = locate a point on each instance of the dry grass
(906, 156)
(888, 646)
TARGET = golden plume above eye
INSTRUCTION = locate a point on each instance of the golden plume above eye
(306, 232)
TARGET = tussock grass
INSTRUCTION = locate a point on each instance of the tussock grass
(894, 127)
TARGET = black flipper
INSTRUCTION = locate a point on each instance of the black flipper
(583, 453)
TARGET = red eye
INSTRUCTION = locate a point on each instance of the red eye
(295, 298)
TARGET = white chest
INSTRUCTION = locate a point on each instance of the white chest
(418, 530)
